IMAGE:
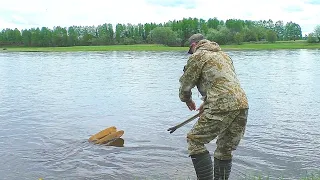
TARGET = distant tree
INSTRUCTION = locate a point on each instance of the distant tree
(17, 36)
(128, 41)
(104, 35)
(59, 36)
(227, 34)
(317, 32)
(88, 35)
(1, 38)
(10, 37)
(271, 36)
(136, 35)
(292, 31)
(45, 37)
(279, 29)
(213, 23)
(260, 32)
(189, 27)
(35, 37)
(203, 26)
(72, 36)
(238, 38)
(249, 35)
(312, 38)
(148, 27)
(119, 32)
(26, 37)
(249, 23)
(164, 35)
(110, 33)
(221, 36)
(235, 25)
(270, 25)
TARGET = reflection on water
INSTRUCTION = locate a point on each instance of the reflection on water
(52, 102)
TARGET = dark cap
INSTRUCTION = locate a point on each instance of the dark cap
(195, 38)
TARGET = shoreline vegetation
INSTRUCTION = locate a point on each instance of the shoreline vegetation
(299, 44)
(173, 35)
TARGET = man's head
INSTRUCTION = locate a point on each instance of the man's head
(193, 40)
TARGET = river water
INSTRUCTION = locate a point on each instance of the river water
(50, 104)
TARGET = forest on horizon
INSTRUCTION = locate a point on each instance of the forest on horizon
(171, 33)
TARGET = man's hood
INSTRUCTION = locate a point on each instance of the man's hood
(208, 45)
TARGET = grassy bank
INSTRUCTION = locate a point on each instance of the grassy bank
(150, 47)
(310, 177)
(272, 46)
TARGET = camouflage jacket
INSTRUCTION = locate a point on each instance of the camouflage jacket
(212, 71)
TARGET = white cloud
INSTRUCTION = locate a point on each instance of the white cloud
(39, 13)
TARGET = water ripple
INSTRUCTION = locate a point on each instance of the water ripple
(52, 102)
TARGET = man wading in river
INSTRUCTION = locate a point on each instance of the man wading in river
(225, 107)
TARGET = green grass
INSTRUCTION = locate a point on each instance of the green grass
(273, 46)
(280, 178)
(308, 176)
(150, 47)
(315, 176)
(261, 178)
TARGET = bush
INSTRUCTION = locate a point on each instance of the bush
(271, 36)
(223, 36)
(128, 41)
(311, 38)
(165, 36)
(238, 38)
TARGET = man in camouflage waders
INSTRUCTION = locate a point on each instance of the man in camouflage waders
(225, 107)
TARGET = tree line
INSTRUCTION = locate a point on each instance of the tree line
(171, 33)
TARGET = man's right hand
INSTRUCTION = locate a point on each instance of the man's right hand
(191, 105)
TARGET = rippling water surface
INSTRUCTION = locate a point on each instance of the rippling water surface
(50, 104)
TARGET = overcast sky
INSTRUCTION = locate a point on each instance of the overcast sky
(49, 13)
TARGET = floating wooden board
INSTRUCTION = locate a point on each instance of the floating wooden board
(103, 133)
(110, 137)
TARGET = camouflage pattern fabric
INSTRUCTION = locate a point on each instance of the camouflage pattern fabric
(225, 102)
(229, 127)
(212, 71)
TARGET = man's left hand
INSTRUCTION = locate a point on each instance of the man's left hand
(191, 105)
(200, 108)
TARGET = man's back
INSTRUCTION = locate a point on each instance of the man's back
(218, 80)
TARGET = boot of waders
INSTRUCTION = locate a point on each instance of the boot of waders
(222, 169)
(203, 166)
